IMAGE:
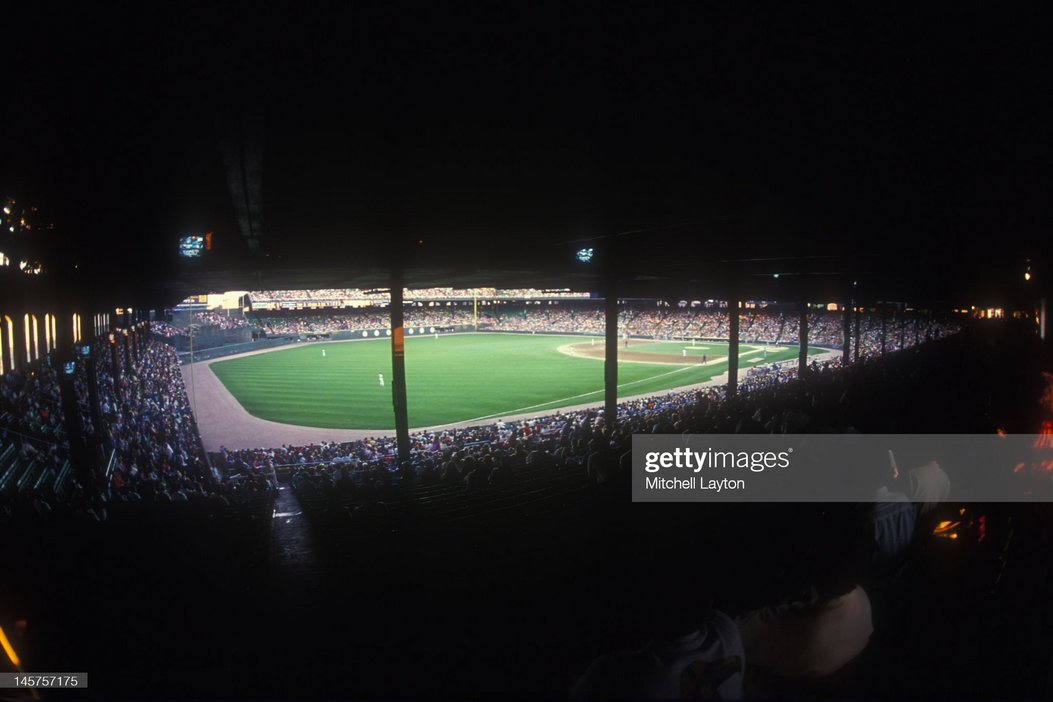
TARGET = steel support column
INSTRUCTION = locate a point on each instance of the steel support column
(802, 357)
(398, 368)
(610, 363)
(733, 348)
(859, 337)
(846, 333)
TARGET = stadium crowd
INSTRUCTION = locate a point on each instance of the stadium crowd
(825, 328)
(331, 296)
(316, 324)
(148, 423)
(32, 397)
(366, 318)
(36, 477)
(207, 318)
(218, 319)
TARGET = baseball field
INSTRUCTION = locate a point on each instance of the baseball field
(463, 377)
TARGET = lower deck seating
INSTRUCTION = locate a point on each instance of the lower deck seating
(530, 492)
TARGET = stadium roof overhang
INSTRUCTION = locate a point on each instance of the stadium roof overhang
(849, 165)
(809, 278)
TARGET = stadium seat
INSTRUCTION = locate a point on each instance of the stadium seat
(61, 484)
(27, 477)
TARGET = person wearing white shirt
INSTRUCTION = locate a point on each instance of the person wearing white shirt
(929, 486)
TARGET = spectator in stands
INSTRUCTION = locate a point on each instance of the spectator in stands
(929, 486)
(371, 507)
(501, 474)
(889, 518)
(429, 475)
(345, 484)
(451, 473)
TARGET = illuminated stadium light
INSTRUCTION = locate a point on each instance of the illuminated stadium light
(585, 255)
(776, 275)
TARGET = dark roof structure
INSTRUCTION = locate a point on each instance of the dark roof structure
(700, 150)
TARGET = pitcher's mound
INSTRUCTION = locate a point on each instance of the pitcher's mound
(634, 354)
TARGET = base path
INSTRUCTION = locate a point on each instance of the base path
(224, 422)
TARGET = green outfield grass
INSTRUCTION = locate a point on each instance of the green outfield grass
(450, 379)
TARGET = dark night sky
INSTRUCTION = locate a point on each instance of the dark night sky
(508, 128)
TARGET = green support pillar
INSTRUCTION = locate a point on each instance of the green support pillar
(398, 368)
(610, 364)
(846, 333)
(733, 347)
(802, 358)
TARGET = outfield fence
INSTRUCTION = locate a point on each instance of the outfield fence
(276, 341)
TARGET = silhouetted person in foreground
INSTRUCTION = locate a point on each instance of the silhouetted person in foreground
(826, 625)
(693, 654)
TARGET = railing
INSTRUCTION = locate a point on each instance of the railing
(111, 464)
(31, 438)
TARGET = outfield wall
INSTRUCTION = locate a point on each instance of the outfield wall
(209, 354)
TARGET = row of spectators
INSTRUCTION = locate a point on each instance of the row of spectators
(365, 319)
(552, 319)
(198, 321)
(166, 330)
(825, 328)
(340, 295)
(218, 319)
